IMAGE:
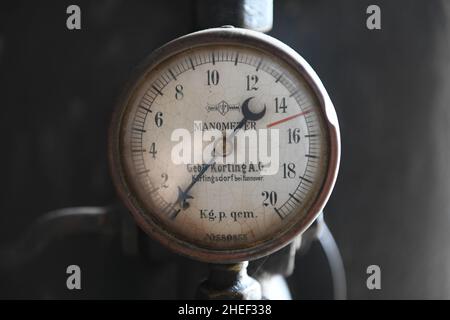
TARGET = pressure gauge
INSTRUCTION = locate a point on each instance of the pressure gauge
(225, 146)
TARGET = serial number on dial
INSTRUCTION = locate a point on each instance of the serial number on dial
(217, 237)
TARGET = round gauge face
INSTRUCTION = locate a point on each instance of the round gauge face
(223, 149)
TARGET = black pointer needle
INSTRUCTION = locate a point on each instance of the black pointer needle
(248, 116)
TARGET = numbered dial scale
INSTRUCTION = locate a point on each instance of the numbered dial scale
(232, 81)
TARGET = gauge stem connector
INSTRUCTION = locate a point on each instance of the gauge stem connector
(229, 282)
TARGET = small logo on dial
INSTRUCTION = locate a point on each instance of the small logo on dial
(222, 107)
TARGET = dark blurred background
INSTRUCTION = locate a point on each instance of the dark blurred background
(391, 89)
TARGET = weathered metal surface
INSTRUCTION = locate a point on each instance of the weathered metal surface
(229, 282)
(250, 14)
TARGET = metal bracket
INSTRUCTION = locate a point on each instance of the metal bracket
(250, 14)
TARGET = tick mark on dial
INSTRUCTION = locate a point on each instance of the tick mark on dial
(157, 90)
(174, 214)
(146, 109)
(236, 60)
(172, 74)
(259, 64)
(278, 78)
(311, 156)
(139, 129)
(279, 213)
(170, 210)
(153, 190)
(192, 63)
(293, 197)
(307, 180)
(293, 93)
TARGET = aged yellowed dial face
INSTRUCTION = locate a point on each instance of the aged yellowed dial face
(222, 147)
